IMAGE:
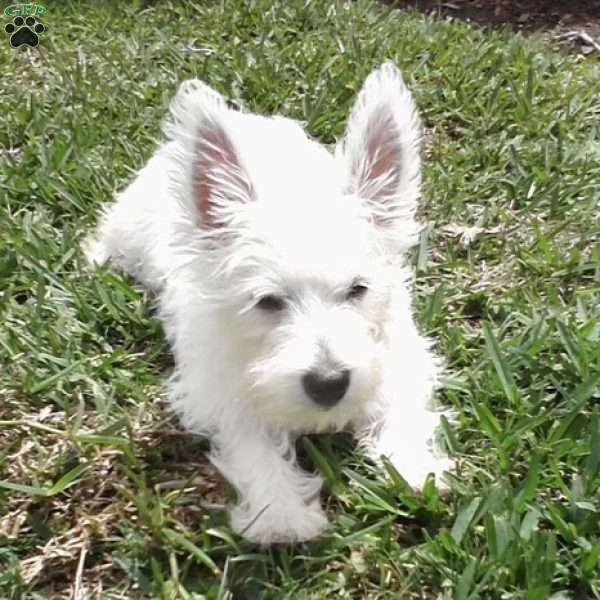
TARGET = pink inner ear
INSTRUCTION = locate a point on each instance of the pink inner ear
(382, 173)
(217, 165)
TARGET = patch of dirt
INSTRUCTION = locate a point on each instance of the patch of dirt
(575, 22)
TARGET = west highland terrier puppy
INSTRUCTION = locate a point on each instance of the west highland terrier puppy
(283, 288)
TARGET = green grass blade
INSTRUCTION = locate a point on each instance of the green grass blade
(180, 541)
(500, 365)
(464, 519)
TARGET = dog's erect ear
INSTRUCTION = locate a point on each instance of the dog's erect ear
(217, 177)
(380, 150)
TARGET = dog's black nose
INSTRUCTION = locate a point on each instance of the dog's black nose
(326, 390)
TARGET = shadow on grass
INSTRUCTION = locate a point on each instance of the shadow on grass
(531, 15)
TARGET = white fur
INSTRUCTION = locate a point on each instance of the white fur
(235, 206)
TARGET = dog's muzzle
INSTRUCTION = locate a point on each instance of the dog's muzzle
(326, 390)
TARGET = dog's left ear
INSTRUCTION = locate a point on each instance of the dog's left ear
(380, 151)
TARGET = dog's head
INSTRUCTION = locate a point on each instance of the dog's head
(298, 250)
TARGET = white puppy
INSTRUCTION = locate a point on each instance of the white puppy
(280, 270)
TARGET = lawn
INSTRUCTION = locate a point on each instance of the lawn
(102, 495)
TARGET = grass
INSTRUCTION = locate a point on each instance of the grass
(102, 495)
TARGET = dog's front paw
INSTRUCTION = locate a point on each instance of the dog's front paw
(278, 523)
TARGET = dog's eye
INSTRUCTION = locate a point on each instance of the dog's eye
(356, 291)
(271, 303)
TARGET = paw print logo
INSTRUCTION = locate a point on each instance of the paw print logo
(24, 31)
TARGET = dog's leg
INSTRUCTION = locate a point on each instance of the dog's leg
(402, 425)
(278, 502)
(409, 442)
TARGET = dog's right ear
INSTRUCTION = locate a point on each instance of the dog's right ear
(217, 178)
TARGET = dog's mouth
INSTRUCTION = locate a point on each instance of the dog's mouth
(312, 400)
